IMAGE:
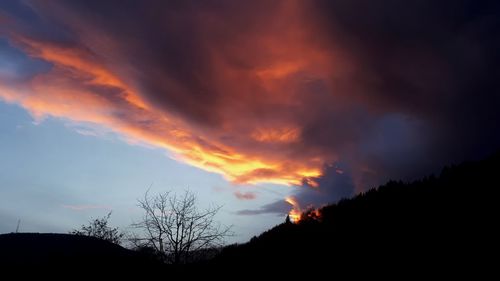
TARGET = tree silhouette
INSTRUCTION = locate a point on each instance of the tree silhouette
(99, 228)
(176, 228)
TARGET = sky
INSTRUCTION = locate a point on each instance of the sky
(245, 103)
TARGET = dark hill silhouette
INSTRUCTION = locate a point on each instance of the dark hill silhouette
(56, 250)
(449, 220)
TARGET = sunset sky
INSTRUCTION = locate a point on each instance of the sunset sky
(245, 103)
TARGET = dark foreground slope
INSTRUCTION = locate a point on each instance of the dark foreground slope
(66, 251)
(437, 222)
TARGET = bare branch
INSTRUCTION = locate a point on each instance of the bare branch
(176, 228)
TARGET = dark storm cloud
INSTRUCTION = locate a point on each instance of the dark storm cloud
(276, 90)
(433, 65)
(437, 60)
(169, 44)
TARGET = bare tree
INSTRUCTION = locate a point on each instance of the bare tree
(99, 228)
(176, 228)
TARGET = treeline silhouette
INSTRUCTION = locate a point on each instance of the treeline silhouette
(445, 222)
(441, 221)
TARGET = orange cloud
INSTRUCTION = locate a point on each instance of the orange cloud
(276, 134)
(82, 90)
(249, 141)
(79, 62)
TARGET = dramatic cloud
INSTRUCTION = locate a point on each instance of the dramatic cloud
(270, 91)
